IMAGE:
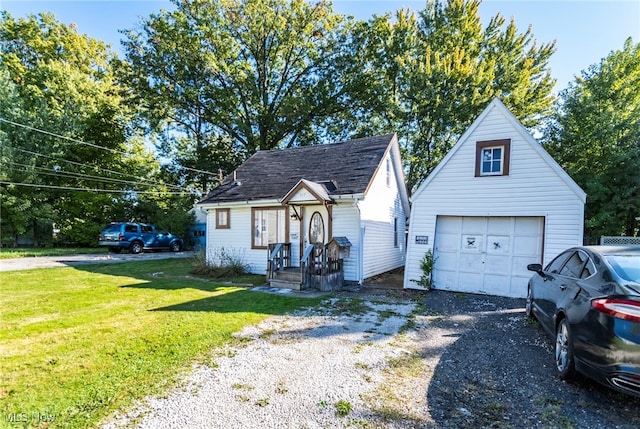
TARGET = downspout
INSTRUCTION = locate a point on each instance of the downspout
(359, 268)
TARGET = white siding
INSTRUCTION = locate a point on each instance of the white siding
(346, 223)
(235, 240)
(532, 188)
(378, 209)
(367, 221)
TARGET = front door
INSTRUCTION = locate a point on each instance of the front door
(315, 226)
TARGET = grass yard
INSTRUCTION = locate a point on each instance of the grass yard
(78, 343)
(23, 252)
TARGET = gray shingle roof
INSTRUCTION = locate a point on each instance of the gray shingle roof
(350, 165)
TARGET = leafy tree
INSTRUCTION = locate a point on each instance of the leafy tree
(63, 83)
(595, 136)
(15, 220)
(69, 156)
(440, 68)
(234, 76)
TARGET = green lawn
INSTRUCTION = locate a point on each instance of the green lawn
(78, 343)
(22, 252)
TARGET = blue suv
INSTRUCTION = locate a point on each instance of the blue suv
(137, 237)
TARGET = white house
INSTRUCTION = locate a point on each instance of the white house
(497, 202)
(311, 194)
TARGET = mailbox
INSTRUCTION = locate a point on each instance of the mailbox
(339, 248)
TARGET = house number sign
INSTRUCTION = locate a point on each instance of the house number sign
(422, 239)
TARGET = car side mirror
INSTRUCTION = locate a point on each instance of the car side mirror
(538, 269)
(535, 267)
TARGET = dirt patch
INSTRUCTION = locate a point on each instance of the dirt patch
(389, 280)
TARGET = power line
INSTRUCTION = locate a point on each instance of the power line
(140, 180)
(47, 172)
(125, 154)
(113, 191)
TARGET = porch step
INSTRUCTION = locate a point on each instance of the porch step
(288, 278)
(289, 275)
(285, 284)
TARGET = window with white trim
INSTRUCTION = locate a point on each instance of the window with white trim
(269, 226)
(492, 158)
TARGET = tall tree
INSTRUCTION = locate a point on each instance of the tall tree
(60, 78)
(22, 214)
(236, 76)
(441, 68)
(595, 136)
(68, 155)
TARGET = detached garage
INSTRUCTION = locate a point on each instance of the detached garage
(496, 203)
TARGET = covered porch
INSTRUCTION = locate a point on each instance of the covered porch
(321, 266)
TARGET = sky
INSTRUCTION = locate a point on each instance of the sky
(585, 31)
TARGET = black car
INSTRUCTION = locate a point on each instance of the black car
(588, 299)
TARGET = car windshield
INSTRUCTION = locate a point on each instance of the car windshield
(112, 228)
(627, 266)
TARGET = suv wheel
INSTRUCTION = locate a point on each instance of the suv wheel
(135, 247)
(175, 246)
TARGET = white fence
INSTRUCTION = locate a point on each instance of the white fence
(619, 241)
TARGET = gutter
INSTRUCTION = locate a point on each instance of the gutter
(359, 267)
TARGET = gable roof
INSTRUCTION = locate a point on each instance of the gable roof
(497, 104)
(348, 165)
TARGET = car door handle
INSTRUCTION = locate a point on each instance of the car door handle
(563, 287)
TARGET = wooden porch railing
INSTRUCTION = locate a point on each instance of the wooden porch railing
(320, 271)
(317, 269)
(279, 258)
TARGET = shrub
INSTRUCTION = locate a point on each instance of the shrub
(220, 263)
(426, 265)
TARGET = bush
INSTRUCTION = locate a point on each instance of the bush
(426, 265)
(220, 263)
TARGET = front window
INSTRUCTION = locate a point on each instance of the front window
(222, 219)
(268, 227)
(556, 265)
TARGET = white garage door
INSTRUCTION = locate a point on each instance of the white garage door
(486, 254)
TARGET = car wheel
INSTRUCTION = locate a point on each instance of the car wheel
(564, 351)
(528, 310)
(135, 247)
(175, 246)
(115, 249)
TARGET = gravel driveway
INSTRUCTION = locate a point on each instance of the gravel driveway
(389, 360)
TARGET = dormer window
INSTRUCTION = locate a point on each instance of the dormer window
(492, 158)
